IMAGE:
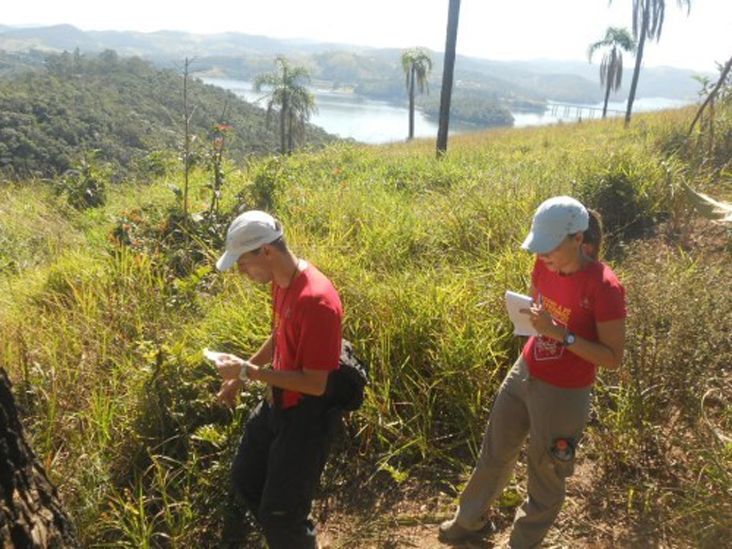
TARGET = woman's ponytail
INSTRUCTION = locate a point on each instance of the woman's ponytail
(592, 237)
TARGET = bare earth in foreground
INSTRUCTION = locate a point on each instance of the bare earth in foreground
(413, 520)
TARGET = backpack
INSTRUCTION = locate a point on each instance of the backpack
(346, 385)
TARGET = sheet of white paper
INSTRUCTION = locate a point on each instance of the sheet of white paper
(514, 303)
(213, 356)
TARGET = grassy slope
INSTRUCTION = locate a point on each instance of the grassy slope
(104, 345)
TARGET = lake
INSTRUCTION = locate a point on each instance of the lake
(372, 121)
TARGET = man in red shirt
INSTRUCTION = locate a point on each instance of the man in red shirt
(286, 439)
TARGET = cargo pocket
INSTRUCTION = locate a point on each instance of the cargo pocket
(562, 453)
(563, 468)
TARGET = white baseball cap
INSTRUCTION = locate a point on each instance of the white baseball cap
(248, 232)
(554, 220)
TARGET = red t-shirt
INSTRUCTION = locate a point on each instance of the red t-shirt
(307, 326)
(578, 302)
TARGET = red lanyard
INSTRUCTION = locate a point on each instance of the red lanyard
(277, 317)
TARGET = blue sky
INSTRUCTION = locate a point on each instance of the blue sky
(511, 29)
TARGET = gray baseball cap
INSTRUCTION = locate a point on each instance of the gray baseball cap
(554, 220)
(248, 232)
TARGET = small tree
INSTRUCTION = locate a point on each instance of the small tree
(611, 69)
(289, 95)
(722, 88)
(187, 138)
(84, 183)
(219, 133)
(417, 65)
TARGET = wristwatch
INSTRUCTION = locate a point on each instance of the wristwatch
(244, 371)
(569, 338)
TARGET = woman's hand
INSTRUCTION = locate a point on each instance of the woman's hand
(543, 322)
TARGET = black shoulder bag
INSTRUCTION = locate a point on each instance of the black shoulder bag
(346, 385)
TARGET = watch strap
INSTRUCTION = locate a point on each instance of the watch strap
(244, 371)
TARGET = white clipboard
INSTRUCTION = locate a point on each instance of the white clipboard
(214, 356)
(521, 324)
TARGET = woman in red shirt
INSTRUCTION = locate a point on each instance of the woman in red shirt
(579, 316)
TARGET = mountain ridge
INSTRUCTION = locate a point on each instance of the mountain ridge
(165, 47)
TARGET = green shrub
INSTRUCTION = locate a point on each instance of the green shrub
(84, 185)
(155, 164)
(180, 245)
(622, 191)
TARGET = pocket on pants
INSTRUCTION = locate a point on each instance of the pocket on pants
(563, 468)
(562, 453)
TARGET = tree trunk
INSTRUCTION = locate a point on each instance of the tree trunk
(638, 61)
(712, 94)
(453, 15)
(283, 125)
(290, 134)
(187, 139)
(609, 80)
(30, 511)
(607, 97)
(412, 76)
(285, 111)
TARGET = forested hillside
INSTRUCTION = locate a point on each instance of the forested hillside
(473, 107)
(125, 108)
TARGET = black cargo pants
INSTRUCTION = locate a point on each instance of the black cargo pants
(276, 470)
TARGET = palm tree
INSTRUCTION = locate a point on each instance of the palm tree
(648, 18)
(611, 68)
(301, 106)
(417, 65)
(287, 92)
(453, 15)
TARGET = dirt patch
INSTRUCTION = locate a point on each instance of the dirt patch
(407, 516)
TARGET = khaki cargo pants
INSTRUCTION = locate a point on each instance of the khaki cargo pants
(525, 406)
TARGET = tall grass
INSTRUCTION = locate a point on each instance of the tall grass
(104, 340)
(662, 421)
(35, 227)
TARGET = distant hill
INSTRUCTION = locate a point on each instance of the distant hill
(369, 71)
(654, 81)
(155, 45)
(124, 107)
(13, 63)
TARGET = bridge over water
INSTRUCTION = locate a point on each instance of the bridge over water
(571, 111)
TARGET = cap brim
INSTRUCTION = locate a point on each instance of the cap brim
(541, 244)
(226, 261)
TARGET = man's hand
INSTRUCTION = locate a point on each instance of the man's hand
(230, 389)
(229, 366)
